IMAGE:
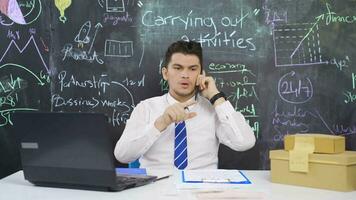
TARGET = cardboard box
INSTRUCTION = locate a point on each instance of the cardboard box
(326, 171)
(323, 143)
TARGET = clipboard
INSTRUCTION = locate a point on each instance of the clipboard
(215, 177)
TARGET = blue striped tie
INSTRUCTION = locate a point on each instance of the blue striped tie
(180, 146)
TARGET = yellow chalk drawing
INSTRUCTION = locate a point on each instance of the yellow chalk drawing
(61, 6)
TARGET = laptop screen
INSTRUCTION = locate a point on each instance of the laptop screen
(65, 147)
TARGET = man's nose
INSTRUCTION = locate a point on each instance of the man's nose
(184, 74)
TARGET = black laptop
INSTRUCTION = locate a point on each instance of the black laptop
(71, 150)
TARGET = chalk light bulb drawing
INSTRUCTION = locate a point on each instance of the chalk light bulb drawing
(62, 5)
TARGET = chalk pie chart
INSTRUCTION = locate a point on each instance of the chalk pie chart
(21, 11)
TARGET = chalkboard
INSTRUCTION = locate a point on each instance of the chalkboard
(288, 66)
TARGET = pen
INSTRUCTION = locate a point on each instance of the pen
(163, 177)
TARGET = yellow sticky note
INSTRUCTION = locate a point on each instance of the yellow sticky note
(299, 156)
(298, 161)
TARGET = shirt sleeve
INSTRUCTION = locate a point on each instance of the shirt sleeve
(138, 136)
(232, 128)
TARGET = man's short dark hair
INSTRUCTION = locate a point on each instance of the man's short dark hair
(184, 47)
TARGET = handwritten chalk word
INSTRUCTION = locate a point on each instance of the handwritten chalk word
(152, 19)
(9, 100)
(10, 84)
(138, 83)
(287, 126)
(234, 83)
(68, 81)
(118, 117)
(340, 63)
(223, 39)
(77, 54)
(273, 17)
(32, 31)
(115, 20)
(332, 17)
(243, 93)
(353, 81)
(235, 21)
(293, 120)
(295, 90)
(294, 112)
(27, 4)
(350, 97)
(248, 111)
(228, 68)
(91, 102)
(341, 129)
(13, 35)
(44, 76)
(119, 110)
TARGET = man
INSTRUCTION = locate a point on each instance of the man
(182, 129)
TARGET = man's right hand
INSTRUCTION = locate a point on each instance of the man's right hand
(174, 113)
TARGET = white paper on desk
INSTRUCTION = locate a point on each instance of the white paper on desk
(214, 176)
(199, 185)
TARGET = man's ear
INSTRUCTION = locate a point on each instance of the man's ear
(164, 73)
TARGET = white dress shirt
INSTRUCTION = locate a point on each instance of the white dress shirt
(155, 149)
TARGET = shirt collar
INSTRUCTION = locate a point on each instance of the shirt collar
(172, 100)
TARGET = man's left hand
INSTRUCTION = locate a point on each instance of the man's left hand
(207, 86)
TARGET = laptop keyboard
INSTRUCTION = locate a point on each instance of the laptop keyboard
(125, 179)
(133, 180)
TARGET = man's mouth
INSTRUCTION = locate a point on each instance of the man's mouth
(184, 84)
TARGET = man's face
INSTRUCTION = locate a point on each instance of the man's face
(181, 73)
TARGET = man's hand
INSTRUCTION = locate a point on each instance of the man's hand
(174, 113)
(208, 87)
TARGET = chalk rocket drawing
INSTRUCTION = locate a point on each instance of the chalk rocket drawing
(82, 37)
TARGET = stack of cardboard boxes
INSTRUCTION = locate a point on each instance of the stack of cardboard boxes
(314, 160)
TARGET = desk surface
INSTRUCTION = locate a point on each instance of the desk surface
(14, 187)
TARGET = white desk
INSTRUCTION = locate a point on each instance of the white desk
(14, 187)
